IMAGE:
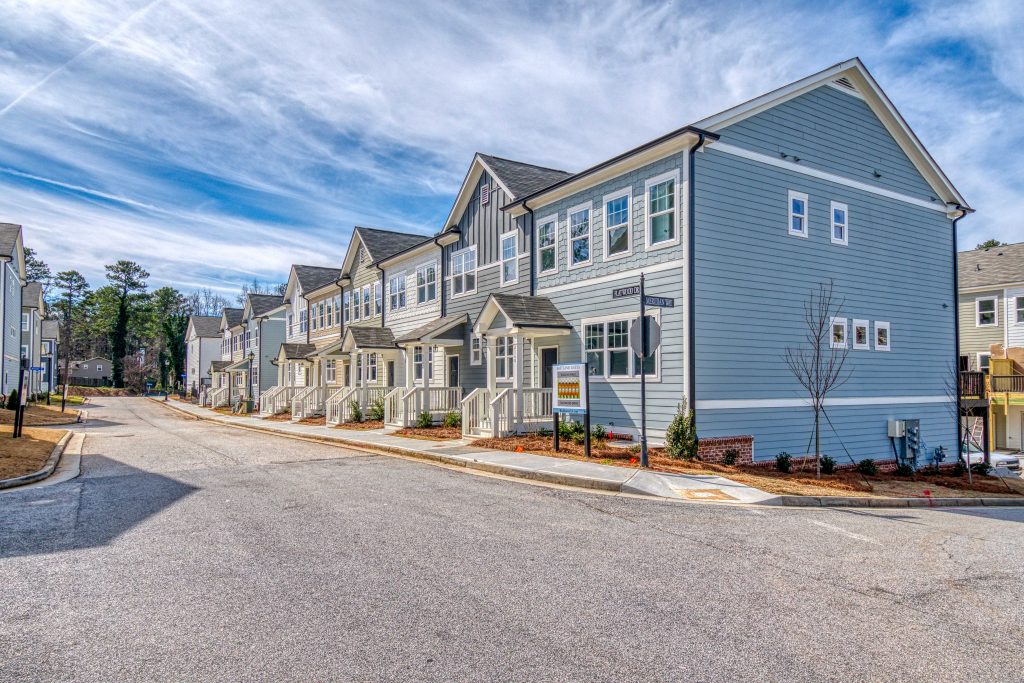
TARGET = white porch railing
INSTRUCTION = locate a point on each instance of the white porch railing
(484, 416)
(502, 411)
(476, 416)
(536, 410)
(394, 407)
(332, 409)
(402, 407)
(220, 397)
(276, 400)
(308, 402)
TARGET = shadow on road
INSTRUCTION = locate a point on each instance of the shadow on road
(84, 513)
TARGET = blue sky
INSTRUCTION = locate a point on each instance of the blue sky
(217, 141)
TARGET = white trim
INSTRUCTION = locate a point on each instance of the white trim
(479, 268)
(806, 216)
(658, 180)
(590, 282)
(473, 336)
(984, 353)
(626, 192)
(845, 90)
(733, 404)
(846, 333)
(995, 311)
(615, 317)
(824, 175)
(475, 270)
(426, 284)
(884, 325)
(1011, 311)
(589, 208)
(553, 219)
(514, 234)
(832, 208)
(990, 288)
(401, 277)
(866, 324)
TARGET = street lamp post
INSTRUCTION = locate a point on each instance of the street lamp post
(249, 399)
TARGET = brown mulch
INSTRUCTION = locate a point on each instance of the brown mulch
(280, 417)
(315, 420)
(99, 391)
(799, 483)
(431, 433)
(27, 454)
(362, 426)
(37, 415)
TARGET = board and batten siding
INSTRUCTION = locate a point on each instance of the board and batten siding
(753, 278)
(975, 339)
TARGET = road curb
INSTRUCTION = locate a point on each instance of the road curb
(47, 469)
(578, 481)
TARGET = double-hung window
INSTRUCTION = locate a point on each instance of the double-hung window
(1019, 310)
(377, 299)
(985, 312)
(662, 210)
(330, 371)
(798, 213)
(510, 258)
(607, 352)
(882, 339)
(475, 350)
(547, 245)
(504, 358)
(357, 303)
(417, 363)
(396, 291)
(617, 238)
(426, 283)
(464, 271)
(330, 312)
(579, 235)
(840, 227)
(347, 305)
(837, 336)
(367, 302)
(24, 322)
(861, 338)
(371, 367)
(320, 312)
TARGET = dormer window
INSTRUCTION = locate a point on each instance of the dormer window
(485, 194)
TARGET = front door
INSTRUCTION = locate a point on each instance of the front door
(453, 371)
(391, 374)
(548, 359)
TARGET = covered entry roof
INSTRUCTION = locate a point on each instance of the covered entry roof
(368, 338)
(521, 313)
(434, 329)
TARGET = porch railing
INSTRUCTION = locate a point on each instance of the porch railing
(972, 384)
(502, 409)
(1002, 384)
(220, 397)
(332, 409)
(276, 400)
(364, 398)
(308, 402)
(394, 407)
(500, 415)
(975, 384)
(476, 417)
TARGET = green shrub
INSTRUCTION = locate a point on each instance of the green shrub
(357, 412)
(540, 432)
(828, 464)
(867, 467)
(453, 419)
(569, 429)
(784, 462)
(729, 457)
(598, 432)
(904, 469)
(579, 437)
(681, 435)
(958, 469)
(375, 413)
(12, 400)
(424, 421)
(982, 468)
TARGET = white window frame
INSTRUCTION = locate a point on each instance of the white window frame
(99, 367)
(330, 371)
(371, 367)
(606, 255)
(833, 207)
(846, 333)
(553, 221)
(649, 244)
(634, 370)
(802, 196)
(476, 350)
(986, 355)
(883, 325)
(505, 351)
(978, 311)
(346, 306)
(25, 322)
(367, 302)
(423, 270)
(378, 299)
(866, 325)
(396, 292)
(1018, 310)
(417, 363)
(460, 256)
(514, 236)
(569, 239)
(357, 303)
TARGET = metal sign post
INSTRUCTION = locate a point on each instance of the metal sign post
(643, 374)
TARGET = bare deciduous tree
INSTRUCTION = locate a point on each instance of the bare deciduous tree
(963, 430)
(819, 365)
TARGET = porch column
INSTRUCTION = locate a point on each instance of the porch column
(428, 367)
(519, 340)
(492, 380)
(361, 368)
(409, 382)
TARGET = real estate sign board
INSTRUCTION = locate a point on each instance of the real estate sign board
(570, 390)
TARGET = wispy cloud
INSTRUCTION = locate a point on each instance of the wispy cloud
(220, 140)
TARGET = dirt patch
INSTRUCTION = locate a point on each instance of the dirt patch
(319, 420)
(797, 483)
(431, 433)
(99, 391)
(363, 426)
(280, 417)
(37, 416)
(28, 454)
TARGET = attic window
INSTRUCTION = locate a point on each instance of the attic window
(485, 194)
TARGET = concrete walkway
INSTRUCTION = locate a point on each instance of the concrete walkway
(704, 488)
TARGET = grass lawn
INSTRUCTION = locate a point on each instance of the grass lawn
(39, 415)
(71, 401)
(27, 454)
(797, 483)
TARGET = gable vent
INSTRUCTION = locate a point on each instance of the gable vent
(845, 83)
(485, 194)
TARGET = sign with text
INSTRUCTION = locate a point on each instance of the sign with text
(659, 301)
(570, 392)
(623, 292)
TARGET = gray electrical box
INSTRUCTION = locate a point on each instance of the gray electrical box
(897, 429)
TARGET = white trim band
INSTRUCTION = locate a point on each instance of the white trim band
(590, 282)
(734, 404)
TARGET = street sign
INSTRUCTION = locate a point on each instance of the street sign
(659, 301)
(623, 292)
(653, 337)
(570, 394)
(36, 368)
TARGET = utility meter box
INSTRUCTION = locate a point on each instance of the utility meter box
(897, 429)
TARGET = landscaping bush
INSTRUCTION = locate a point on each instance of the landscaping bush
(424, 421)
(729, 457)
(598, 432)
(982, 468)
(828, 464)
(540, 432)
(867, 467)
(12, 400)
(357, 412)
(681, 436)
(570, 429)
(375, 413)
(958, 469)
(453, 419)
(904, 469)
(784, 462)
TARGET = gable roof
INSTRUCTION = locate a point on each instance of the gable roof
(993, 266)
(51, 329)
(261, 304)
(434, 327)
(379, 244)
(31, 295)
(295, 351)
(9, 234)
(315, 277)
(231, 317)
(205, 325)
(521, 311)
(368, 338)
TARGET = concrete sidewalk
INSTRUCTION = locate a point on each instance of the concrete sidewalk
(521, 465)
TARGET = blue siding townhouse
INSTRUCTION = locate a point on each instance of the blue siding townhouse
(738, 217)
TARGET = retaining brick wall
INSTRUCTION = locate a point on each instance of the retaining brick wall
(712, 449)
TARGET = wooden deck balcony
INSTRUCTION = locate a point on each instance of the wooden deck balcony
(980, 385)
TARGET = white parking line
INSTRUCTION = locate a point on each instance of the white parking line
(844, 532)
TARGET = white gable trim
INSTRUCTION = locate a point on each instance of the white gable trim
(476, 169)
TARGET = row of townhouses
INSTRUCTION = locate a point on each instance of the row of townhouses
(27, 334)
(738, 218)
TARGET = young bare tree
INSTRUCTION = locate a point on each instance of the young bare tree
(819, 364)
(953, 390)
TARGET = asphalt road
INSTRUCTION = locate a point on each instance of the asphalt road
(192, 551)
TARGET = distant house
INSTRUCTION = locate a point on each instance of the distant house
(50, 354)
(33, 308)
(93, 372)
(202, 346)
(12, 255)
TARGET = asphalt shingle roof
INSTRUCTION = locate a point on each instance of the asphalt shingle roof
(219, 365)
(992, 266)
(264, 303)
(51, 329)
(297, 351)
(30, 294)
(233, 316)
(433, 326)
(372, 337)
(530, 311)
(382, 244)
(520, 178)
(314, 277)
(8, 237)
(206, 325)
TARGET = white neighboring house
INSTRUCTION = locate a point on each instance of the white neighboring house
(12, 255)
(202, 346)
(32, 311)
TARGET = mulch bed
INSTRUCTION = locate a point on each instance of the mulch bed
(431, 433)
(37, 415)
(315, 420)
(363, 426)
(280, 417)
(28, 454)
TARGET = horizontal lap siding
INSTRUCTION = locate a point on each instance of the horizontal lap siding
(835, 132)
(413, 315)
(974, 339)
(272, 333)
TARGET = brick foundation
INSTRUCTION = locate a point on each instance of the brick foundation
(712, 449)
